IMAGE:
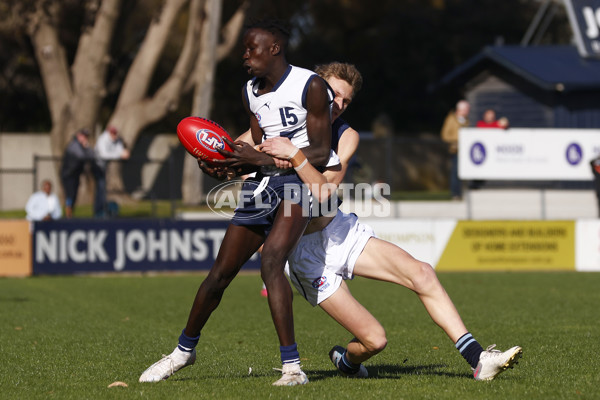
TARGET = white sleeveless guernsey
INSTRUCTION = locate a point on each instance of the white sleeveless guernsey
(282, 111)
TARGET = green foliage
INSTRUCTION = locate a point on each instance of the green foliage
(70, 337)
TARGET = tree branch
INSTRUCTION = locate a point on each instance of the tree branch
(135, 86)
(231, 31)
(166, 98)
(91, 63)
(51, 58)
(92, 56)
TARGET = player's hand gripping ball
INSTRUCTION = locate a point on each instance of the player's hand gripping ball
(202, 137)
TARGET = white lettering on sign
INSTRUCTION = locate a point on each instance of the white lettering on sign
(80, 246)
(201, 248)
(216, 236)
(592, 21)
(83, 246)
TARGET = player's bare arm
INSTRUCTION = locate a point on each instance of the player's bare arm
(346, 148)
(318, 123)
(246, 137)
(282, 148)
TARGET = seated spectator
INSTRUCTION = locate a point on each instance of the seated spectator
(43, 205)
(489, 120)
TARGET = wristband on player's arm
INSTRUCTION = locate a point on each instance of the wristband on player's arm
(298, 159)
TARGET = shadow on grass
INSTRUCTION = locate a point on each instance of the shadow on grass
(14, 299)
(393, 371)
(377, 371)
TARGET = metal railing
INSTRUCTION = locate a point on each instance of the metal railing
(153, 191)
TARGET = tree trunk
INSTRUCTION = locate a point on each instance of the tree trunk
(74, 95)
(193, 178)
(211, 52)
(231, 31)
(134, 109)
(54, 70)
(139, 76)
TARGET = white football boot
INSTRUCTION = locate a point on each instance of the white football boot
(336, 358)
(493, 362)
(168, 365)
(291, 375)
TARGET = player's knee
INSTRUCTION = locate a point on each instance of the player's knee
(272, 275)
(424, 279)
(270, 256)
(272, 264)
(212, 289)
(218, 280)
(375, 342)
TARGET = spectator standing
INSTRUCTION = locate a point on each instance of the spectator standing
(489, 120)
(595, 164)
(76, 155)
(43, 205)
(455, 120)
(109, 146)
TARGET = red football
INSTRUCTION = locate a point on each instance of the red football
(202, 137)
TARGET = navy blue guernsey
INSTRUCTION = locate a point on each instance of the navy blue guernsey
(337, 128)
(329, 207)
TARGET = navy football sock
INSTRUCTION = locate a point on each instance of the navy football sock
(187, 343)
(289, 354)
(348, 366)
(469, 348)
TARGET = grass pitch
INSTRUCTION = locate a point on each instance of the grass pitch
(70, 337)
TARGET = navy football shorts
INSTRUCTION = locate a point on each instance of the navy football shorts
(261, 197)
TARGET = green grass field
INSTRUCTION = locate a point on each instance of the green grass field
(70, 337)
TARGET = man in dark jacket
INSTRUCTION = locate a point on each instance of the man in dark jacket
(77, 153)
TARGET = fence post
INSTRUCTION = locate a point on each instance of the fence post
(543, 203)
(153, 203)
(171, 168)
(35, 169)
(388, 160)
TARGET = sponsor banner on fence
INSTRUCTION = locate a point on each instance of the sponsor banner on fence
(527, 154)
(80, 246)
(587, 246)
(424, 239)
(15, 248)
(510, 245)
(451, 245)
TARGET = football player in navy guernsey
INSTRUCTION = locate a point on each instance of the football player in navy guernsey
(282, 100)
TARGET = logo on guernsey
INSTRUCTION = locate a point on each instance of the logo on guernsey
(258, 118)
(477, 153)
(574, 154)
(209, 140)
(319, 282)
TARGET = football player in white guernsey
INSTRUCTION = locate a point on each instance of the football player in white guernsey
(345, 81)
(280, 100)
(337, 248)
